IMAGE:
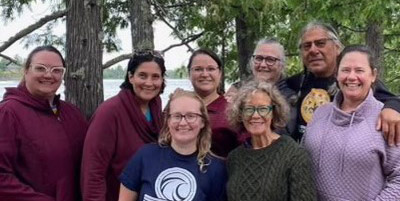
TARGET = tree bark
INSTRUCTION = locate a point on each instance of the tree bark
(245, 44)
(374, 40)
(84, 78)
(141, 25)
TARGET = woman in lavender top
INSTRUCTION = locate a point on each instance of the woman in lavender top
(351, 159)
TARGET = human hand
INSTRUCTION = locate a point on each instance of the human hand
(389, 124)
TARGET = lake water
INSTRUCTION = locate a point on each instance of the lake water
(111, 87)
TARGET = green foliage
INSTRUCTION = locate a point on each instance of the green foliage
(283, 19)
(114, 73)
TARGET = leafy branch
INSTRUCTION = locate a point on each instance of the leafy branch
(32, 28)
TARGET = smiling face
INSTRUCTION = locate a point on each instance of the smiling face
(319, 52)
(43, 85)
(146, 81)
(182, 132)
(204, 75)
(355, 77)
(263, 71)
(256, 124)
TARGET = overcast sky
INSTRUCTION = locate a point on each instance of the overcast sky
(162, 37)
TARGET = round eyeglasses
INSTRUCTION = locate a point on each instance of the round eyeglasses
(263, 111)
(269, 60)
(189, 117)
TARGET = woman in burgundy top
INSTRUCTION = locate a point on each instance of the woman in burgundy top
(41, 136)
(121, 125)
(205, 71)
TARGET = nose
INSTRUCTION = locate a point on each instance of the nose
(351, 75)
(47, 74)
(183, 121)
(313, 49)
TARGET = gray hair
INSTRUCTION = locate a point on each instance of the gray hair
(279, 114)
(332, 33)
(271, 41)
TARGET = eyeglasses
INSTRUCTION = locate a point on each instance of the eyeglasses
(269, 60)
(189, 117)
(42, 69)
(318, 43)
(263, 111)
(147, 52)
(198, 70)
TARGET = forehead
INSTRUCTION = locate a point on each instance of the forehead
(315, 34)
(354, 59)
(258, 98)
(203, 59)
(149, 67)
(268, 50)
(47, 57)
(184, 104)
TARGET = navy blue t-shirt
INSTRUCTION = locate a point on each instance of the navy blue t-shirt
(159, 173)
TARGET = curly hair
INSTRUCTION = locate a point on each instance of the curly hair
(204, 137)
(280, 112)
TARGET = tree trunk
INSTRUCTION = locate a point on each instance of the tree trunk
(245, 44)
(374, 40)
(84, 78)
(141, 25)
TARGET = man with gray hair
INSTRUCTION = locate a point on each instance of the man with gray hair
(319, 46)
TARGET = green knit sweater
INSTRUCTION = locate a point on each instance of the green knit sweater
(280, 171)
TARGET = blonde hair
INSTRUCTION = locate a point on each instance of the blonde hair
(204, 137)
(280, 112)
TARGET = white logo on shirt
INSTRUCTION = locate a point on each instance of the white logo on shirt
(174, 184)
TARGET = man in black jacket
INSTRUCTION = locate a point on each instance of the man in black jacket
(319, 46)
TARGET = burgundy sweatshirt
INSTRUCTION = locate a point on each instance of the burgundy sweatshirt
(40, 152)
(224, 138)
(117, 130)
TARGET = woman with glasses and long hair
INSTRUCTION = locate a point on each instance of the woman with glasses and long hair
(41, 136)
(268, 166)
(123, 124)
(180, 166)
(205, 71)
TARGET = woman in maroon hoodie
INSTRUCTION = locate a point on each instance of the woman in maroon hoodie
(121, 125)
(205, 71)
(41, 136)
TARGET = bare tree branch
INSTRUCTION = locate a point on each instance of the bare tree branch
(11, 60)
(161, 13)
(32, 28)
(184, 42)
(116, 60)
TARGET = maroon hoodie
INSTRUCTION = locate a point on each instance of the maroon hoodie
(224, 137)
(117, 130)
(40, 152)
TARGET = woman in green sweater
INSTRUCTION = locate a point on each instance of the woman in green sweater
(267, 166)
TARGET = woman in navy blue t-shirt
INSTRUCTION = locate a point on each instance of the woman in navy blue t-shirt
(180, 166)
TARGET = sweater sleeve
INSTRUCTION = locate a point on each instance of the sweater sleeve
(391, 170)
(385, 96)
(97, 153)
(301, 183)
(11, 187)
